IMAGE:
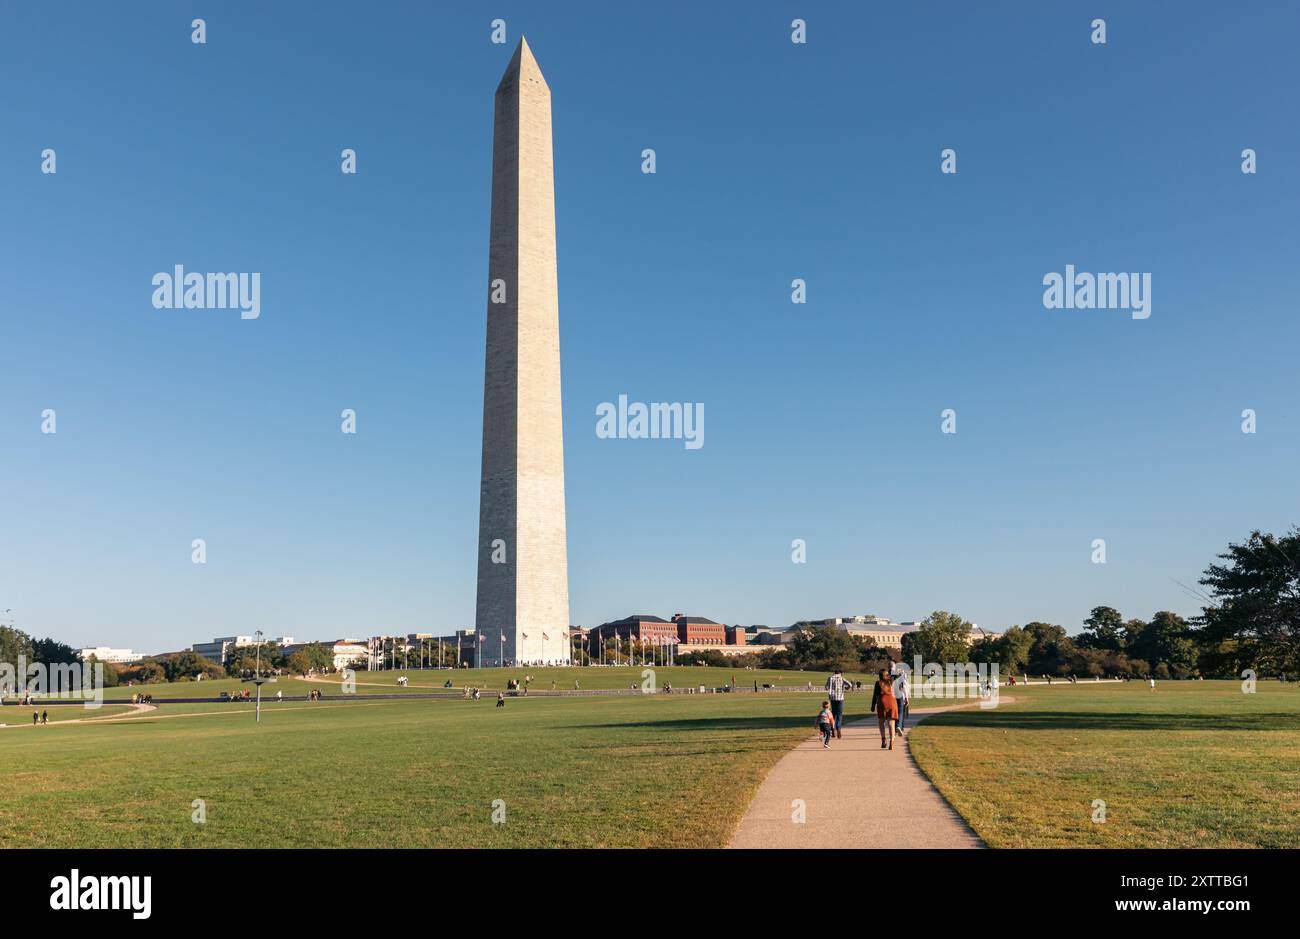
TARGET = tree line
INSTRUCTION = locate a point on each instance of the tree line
(1250, 620)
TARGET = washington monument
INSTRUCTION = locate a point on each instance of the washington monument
(522, 613)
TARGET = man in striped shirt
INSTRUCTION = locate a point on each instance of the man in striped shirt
(835, 688)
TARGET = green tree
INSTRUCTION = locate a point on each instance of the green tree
(1103, 629)
(149, 671)
(1254, 620)
(1015, 643)
(941, 637)
(320, 657)
(1133, 630)
(1089, 663)
(1167, 640)
(53, 652)
(823, 647)
(14, 643)
(711, 657)
(112, 675)
(1050, 649)
(247, 658)
(1010, 650)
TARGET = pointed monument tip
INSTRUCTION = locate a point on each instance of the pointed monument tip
(523, 64)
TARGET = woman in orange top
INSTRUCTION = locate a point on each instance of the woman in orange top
(885, 705)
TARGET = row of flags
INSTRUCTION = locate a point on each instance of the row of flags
(652, 640)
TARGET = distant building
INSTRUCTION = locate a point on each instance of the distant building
(644, 628)
(682, 634)
(876, 630)
(888, 635)
(345, 651)
(383, 652)
(699, 631)
(466, 643)
(116, 656)
(218, 650)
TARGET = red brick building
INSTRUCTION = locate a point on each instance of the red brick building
(651, 629)
(699, 631)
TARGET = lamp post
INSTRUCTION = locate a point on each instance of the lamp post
(257, 676)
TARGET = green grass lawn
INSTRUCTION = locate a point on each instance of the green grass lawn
(679, 676)
(161, 691)
(1192, 764)
(11, 716)
(645, 771)
(492, 679)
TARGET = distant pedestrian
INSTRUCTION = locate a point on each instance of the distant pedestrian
(45, 717)
(1151, 680)
(36, 718)
(501, 699)
(826, 725)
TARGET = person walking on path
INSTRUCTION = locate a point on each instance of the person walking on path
(835, 687)
(885, 705)
(826, 725)
(901, 694)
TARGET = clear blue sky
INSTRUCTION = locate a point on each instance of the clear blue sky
(775, 161)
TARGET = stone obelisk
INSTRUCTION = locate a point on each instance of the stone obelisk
(522, 613)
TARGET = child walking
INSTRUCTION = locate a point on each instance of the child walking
(826, 725)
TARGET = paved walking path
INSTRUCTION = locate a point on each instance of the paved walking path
(855, 795)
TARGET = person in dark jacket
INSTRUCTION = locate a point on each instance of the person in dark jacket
(885, 705)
